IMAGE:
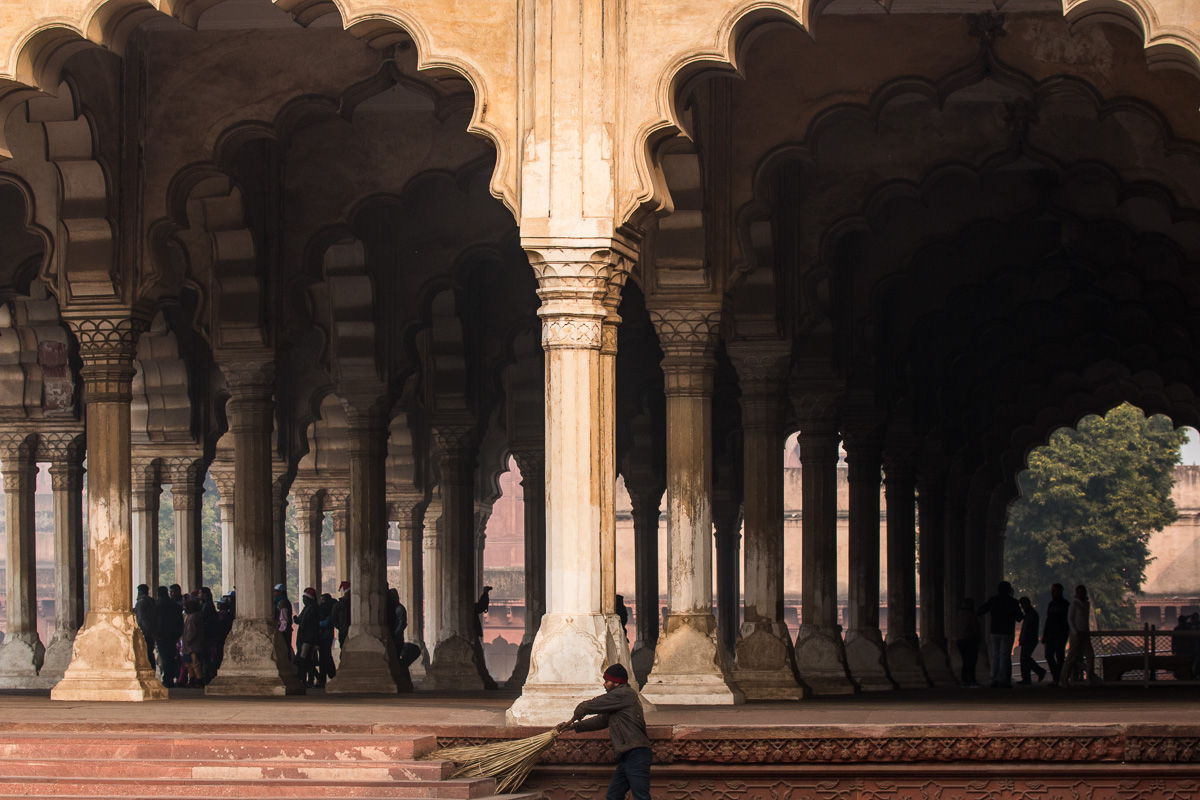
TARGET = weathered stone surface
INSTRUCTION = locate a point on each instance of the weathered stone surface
(256, 663)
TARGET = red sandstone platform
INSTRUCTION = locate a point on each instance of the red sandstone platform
(1026, 744)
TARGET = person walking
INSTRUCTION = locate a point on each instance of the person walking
(1056, 632)
(170, 628)
(619, 710)
(341, 614)
(1028, 642)
(193, 643)
(146, 612)
(1005, 614)
(968, 638)
(325, 636)
(308, 631)
(284, 615)
(1080, 653)
(481, 606)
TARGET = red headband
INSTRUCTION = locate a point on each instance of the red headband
(608, 676)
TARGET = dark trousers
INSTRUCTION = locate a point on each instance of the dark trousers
(325, 661)
(633, 774)
(968, 649)
(168, 660)
(1056, 654)
(1028, 665)
(150, 650)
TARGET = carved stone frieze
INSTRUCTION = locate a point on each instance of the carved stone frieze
(572, 333)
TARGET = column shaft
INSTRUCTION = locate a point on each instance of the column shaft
(22, 652)
(109, 661)
(865, 650)
(903, 649)
(646, 513)
(368, 662)
(820, 652)
(67, 481)
(931, 502)
(186, 497)
(729, 576)
(310, 518)
(145, 507)
(256, 655)
(431, 549)
(532, 464)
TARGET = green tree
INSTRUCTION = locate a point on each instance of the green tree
(1089, 502)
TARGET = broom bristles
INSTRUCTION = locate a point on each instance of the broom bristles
(509, 762)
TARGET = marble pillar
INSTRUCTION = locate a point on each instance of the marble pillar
(187, 493)
(764, 667)
(532, 463)
(431, 552)
(903, 648)
(368, 661)
(955, 522)
(409, 513)
(576, 640)
(223, 476)
(22, 652)
(458, 662)
(109, 661)
(727, 519)
(281, 489)
(690, 666)
(646, 501)
(866, 654)
(931, 505)
(310, 522)
(336, 505)
(147, 494)
(66, 476)
(256, 655)
(820, 652)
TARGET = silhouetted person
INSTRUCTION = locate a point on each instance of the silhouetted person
(968, 637)
(341, 614)
(1005, 614)
(308, 631)
(1194, 625)
(177, 594)
(193, 643)
(224, 626)
(170, 628)
(146, 612)
(284, 615)
(325, 640)
(481, 607)
(619, 710)
(1056, 632)
(1080, 653)
(622, 613)
(1028, 642)
(1181, 645)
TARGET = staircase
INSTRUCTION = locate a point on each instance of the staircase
(264, 763)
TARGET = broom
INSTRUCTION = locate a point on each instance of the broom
(509, 762)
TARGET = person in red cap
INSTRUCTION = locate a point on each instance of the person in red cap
(619, 710)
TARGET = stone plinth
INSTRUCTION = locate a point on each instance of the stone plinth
(764, 668)
(689, 665)
(109, 662)
(256, 663)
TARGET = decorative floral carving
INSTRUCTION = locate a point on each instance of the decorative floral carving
(571, 332)
(687, 329)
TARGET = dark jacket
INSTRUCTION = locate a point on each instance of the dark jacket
(146, 612)
(1057, 628)
(620, 712)
(325, 639)
(308, 623)
(1006, 613)
(170, 620)
(341, 617)
(1029, 629)
(193, 634)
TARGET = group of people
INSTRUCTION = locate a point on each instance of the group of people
(184, 633)
(1066, 637)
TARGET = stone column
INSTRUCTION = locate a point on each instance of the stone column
(256, 655)
(109, 661)
(281, 488)
(481, 520)
(310, 521)
(368, 662)
(223, 476)
(458, 661)
(336, 505)
(187, 493)
(931, 504)
(727, 518)
(865, 650)
(608, 453)
(646, 500)
(409, 515)
(431, 547)
(576, 640)
(22, 653)
(764, 667)
(145, 500)
(820, 652)
(903, 649)
(66, 475)
(955, 522)
(689, 662)
(532, 463)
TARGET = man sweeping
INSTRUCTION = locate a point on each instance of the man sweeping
(618, 710)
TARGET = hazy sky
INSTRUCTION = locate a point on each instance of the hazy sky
(1191, 450)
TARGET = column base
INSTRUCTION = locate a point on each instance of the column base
(867, 660)
(458, 665)
(904, 664)
(109, 662)
(256, 663)
(569, 656)
(642, 659)
(821, 660)
(369, 665)
(58, 657)
(764, 666)
(689, 665)
(937, 664)
(520, 672)
(22, 656)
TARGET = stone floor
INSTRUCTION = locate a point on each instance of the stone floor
(1018, 706)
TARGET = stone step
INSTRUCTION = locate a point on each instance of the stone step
(253, 748)
(19, 793)
(36, 785)
(230, 769)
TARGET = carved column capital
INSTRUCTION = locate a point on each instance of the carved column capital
(454, 451)
(574, 280)
(107, 347)
(762, 372)
(335, 499)
(532, 463)
(62, 447)
(17, 447)
(688, 337)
